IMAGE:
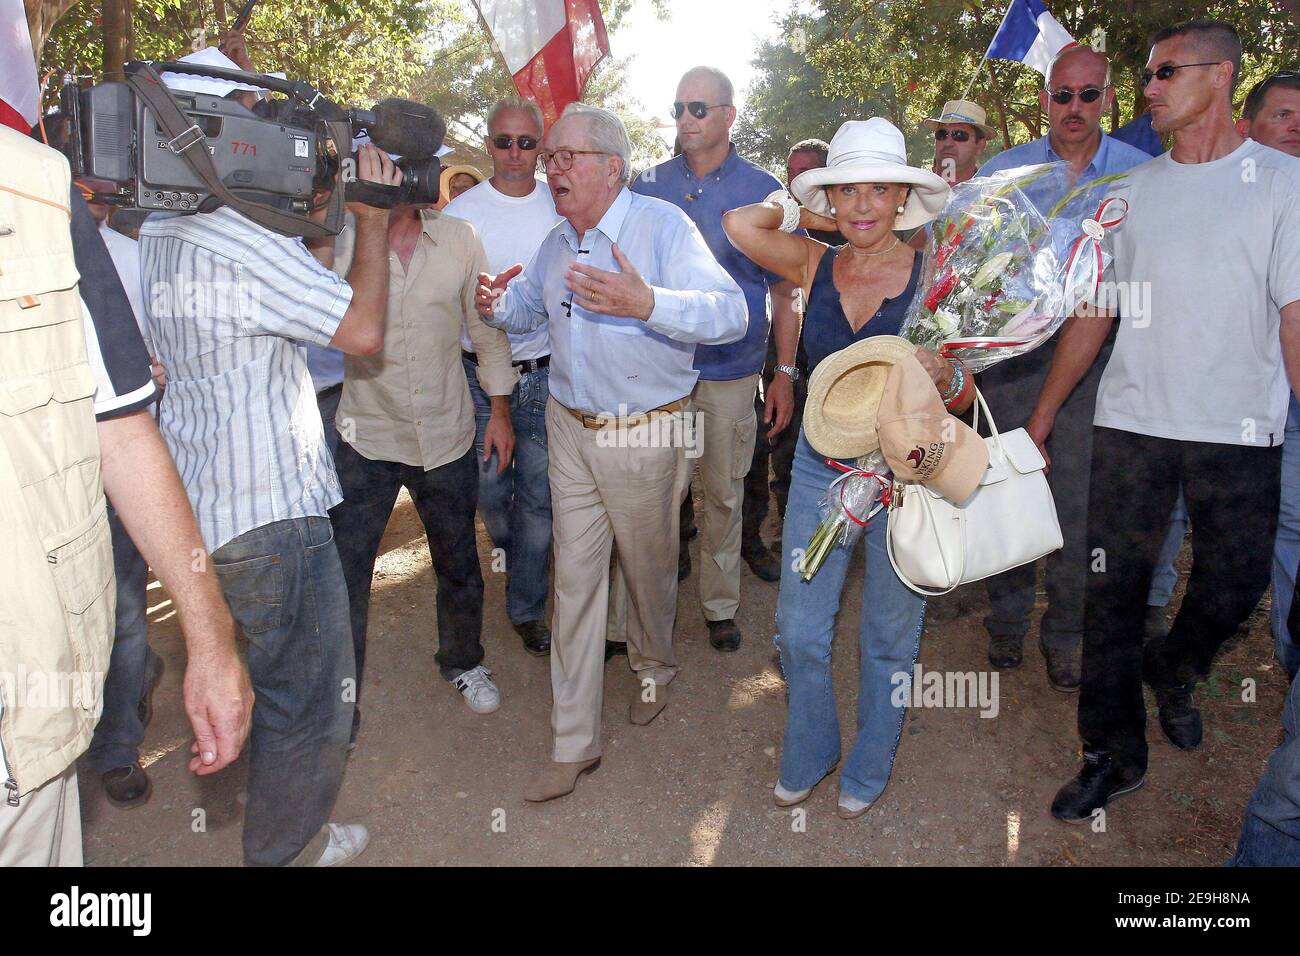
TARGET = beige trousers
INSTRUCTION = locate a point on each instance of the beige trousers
(607, 490)
(45, 828)
(728, 427)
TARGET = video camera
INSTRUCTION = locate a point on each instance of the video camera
(193, 152)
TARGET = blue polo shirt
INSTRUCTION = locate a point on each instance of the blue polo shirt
(1112, 156)
(737, 182)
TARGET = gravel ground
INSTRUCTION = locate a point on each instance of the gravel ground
(438, 784)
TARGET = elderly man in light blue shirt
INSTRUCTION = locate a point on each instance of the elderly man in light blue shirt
(629, 288)
(1078, 92)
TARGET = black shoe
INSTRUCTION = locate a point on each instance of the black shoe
(1101, 779)
(762, 562)
(127, 787)
(356, 727)
(724, 635)
(1180, 718)
(614, 648)
(683, 561)
(1157, 623)
(1005, 652)
(1064, 668)
(152, 675)
(536, 636)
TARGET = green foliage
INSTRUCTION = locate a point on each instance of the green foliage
(434, 51)
(901, 59)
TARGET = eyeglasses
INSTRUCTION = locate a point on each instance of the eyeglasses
(1166, 71)
(959, 135)
(563, 158)
(699, 109)
(1089, 94)
(505, 141)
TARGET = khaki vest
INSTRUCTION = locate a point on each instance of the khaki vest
(56, 558)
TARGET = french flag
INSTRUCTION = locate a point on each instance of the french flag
(550, 47)
(20, 94)
(1029, 34)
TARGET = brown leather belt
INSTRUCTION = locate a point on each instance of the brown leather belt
(629, 421)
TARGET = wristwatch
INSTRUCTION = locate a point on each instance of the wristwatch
(790, 370)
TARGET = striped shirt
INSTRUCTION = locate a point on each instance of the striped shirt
(232, 306)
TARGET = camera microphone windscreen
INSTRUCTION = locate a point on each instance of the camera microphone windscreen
(410, 129)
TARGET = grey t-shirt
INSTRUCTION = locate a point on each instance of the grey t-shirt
(1209, 254)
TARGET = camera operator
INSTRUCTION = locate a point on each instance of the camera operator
(232, 306)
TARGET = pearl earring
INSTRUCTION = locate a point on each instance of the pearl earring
(832, 210)
(900, 210)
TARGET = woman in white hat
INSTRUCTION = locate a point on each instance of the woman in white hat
(853, 292)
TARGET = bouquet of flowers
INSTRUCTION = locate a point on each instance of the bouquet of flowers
(847, 505)
(1004, 269)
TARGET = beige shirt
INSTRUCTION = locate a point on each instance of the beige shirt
(410, 403)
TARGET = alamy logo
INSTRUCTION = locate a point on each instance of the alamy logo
(103, 909)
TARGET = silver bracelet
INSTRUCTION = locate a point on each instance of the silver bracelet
(789, 209)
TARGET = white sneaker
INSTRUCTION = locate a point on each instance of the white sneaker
(347, 840)
(476, 687)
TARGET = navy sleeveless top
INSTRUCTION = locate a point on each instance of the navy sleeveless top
(825, 327)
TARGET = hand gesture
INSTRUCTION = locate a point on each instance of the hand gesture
(622, 293)
(491, 288)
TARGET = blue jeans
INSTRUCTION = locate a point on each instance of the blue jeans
(119, 732)
(1164, 578)
(890, 634)
(516, 504)
(1286, 547)
(284, 584)
(1270, 832)
(328, 403)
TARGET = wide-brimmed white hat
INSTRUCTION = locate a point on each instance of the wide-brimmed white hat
(873, 151)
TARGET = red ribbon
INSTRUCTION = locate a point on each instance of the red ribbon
(1096, 240)
(885, 487)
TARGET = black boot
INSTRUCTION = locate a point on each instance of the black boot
(1101, 779)
(760, 560)
(536, 637)
(1006, 651)
(1180, 718)
(127, 787)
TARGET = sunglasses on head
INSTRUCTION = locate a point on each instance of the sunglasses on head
(699, 109)
(1089, 94)
(959, 135)
(1166, 71)
(505, 141)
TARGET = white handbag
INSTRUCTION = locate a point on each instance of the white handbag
(1009, 520)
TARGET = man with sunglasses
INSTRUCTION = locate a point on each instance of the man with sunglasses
(1078, 93)
(512, 216)
(960, 137)
(1194, 396)
(708, 179)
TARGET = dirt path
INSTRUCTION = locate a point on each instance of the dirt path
(437, 784)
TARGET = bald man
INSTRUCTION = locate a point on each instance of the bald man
(1078, 93)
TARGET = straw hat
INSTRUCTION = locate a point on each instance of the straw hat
(451, 172)
(844, 395)
(872, 151)
(962, 111)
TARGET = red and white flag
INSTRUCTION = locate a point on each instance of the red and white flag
(550, 47)
(20, 93)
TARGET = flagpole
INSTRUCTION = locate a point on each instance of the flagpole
(984, 58)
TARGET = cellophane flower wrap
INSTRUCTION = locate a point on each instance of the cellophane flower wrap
(1009, 259)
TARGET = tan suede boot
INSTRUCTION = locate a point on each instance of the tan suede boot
(558, 779)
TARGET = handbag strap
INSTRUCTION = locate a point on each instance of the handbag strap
(993, 426)
(889, 549)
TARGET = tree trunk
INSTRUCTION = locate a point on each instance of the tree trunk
(117, 38)
(41, 17)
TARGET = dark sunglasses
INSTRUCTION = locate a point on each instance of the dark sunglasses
(699, 109)
(959, 135)
(1089, 94)
(505, 141)
(1166, 71)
